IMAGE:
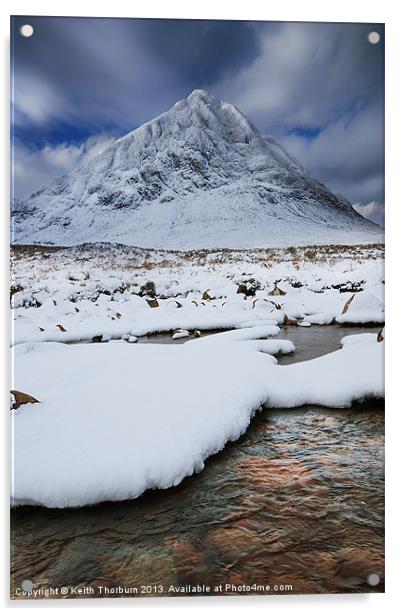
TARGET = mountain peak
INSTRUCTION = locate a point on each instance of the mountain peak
(199, 175)
(218, 119)
(199, 98)
(202, 95)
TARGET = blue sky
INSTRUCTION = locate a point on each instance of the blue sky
(78, 83)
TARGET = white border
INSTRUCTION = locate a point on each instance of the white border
(291, 10)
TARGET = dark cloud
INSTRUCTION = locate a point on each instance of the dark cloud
(117, 73)
(347, 155)
(317, 88)
(308, 74)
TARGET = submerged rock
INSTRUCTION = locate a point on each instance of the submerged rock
(288, 321)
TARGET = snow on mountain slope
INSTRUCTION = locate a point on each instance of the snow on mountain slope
(198, 176)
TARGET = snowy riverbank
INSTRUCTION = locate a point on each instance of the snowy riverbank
(116, 419)
(107, 291)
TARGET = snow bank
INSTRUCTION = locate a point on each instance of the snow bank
(272, 347)
(257, 323)
(236, 335)
(111, 319)
(117, 419)
(253, 338)
(358, 338)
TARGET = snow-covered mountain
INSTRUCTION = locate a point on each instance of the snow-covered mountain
(198, 176)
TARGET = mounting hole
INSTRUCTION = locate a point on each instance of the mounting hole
(373, 579)
(26, 30)
(27, 585)
(373, 38)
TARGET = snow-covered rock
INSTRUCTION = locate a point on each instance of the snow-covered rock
(359, 338)
(181, 333)
(322, 318)
(200, 175)
(365, 307)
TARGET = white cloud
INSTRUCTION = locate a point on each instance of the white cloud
(34, 99)
(373, 211)
(35, 168)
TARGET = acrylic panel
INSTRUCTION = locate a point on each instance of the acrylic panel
(197, 293)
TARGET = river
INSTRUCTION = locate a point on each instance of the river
(296, 505)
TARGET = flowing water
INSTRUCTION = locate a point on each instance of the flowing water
(296, 505)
